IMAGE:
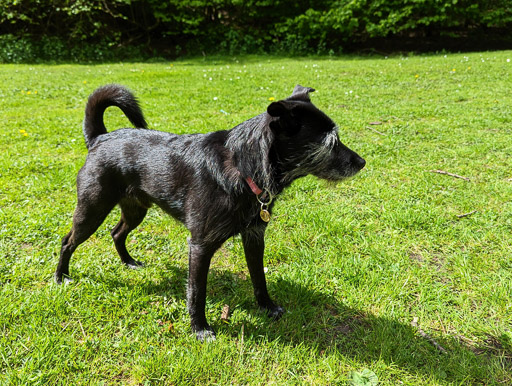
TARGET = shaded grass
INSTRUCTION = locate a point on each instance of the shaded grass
(352, 263)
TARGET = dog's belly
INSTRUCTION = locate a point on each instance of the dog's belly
(172, 204)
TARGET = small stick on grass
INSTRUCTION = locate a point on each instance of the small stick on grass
(83, 331)
(449, 174)
(225, 314)
(466, 214)
(414, 323)
(375, 131)
(441, 322)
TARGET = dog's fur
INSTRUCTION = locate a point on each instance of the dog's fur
(203, 180)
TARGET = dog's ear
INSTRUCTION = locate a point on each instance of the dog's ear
(301, 93)
(284, 119)
(278, 109)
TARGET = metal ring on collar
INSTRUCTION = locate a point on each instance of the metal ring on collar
(270, 197)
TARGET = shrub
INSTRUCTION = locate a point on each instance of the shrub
(33, 29)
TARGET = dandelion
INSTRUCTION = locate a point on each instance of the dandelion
(29, 92)
(23, 132)
(469, 68)
(271, 99)
(416, 76)
(84, 82)
(453, 70)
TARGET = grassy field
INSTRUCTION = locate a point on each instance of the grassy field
(383, 280)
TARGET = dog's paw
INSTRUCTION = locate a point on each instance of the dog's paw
(135, 264)
(274, 312)
(63, 279)
(206, 335)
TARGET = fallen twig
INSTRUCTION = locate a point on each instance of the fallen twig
(414, 323)
(375, 131)
(225, 314)
(466, 214)
(83, 331)
(449, 174)
(441, 323)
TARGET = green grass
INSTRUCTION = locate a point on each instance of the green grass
(354, 264)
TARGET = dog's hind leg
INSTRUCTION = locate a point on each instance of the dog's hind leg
(132, 215)
(254, 246)
(87, 218)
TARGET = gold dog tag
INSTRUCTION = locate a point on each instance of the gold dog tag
(265, 215)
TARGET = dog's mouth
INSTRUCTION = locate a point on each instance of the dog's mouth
(338, 174)
(336, 178)
(335, 181)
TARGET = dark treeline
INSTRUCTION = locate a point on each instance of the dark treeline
(56, 28)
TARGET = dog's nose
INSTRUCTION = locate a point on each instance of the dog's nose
(359, 162)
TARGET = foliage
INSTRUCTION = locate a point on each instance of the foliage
(371, 271)
(176, 26)
(362, 19)
(47, 48)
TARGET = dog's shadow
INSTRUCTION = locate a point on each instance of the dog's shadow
(327, 326)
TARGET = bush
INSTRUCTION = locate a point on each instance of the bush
(360, 20)
(45, 28)
(22, 50)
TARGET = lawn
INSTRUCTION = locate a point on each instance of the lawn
(400, 275)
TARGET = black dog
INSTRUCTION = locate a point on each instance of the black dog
(218, 184)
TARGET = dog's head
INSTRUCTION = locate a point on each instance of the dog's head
(307, 141)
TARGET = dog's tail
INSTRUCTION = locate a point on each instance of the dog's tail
(106, 96)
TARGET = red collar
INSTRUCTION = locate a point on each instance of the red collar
(255, 188)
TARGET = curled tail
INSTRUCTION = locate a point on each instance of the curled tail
(106, 96)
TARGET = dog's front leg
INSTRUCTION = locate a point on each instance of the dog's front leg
(199, 259)
(254, 245)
